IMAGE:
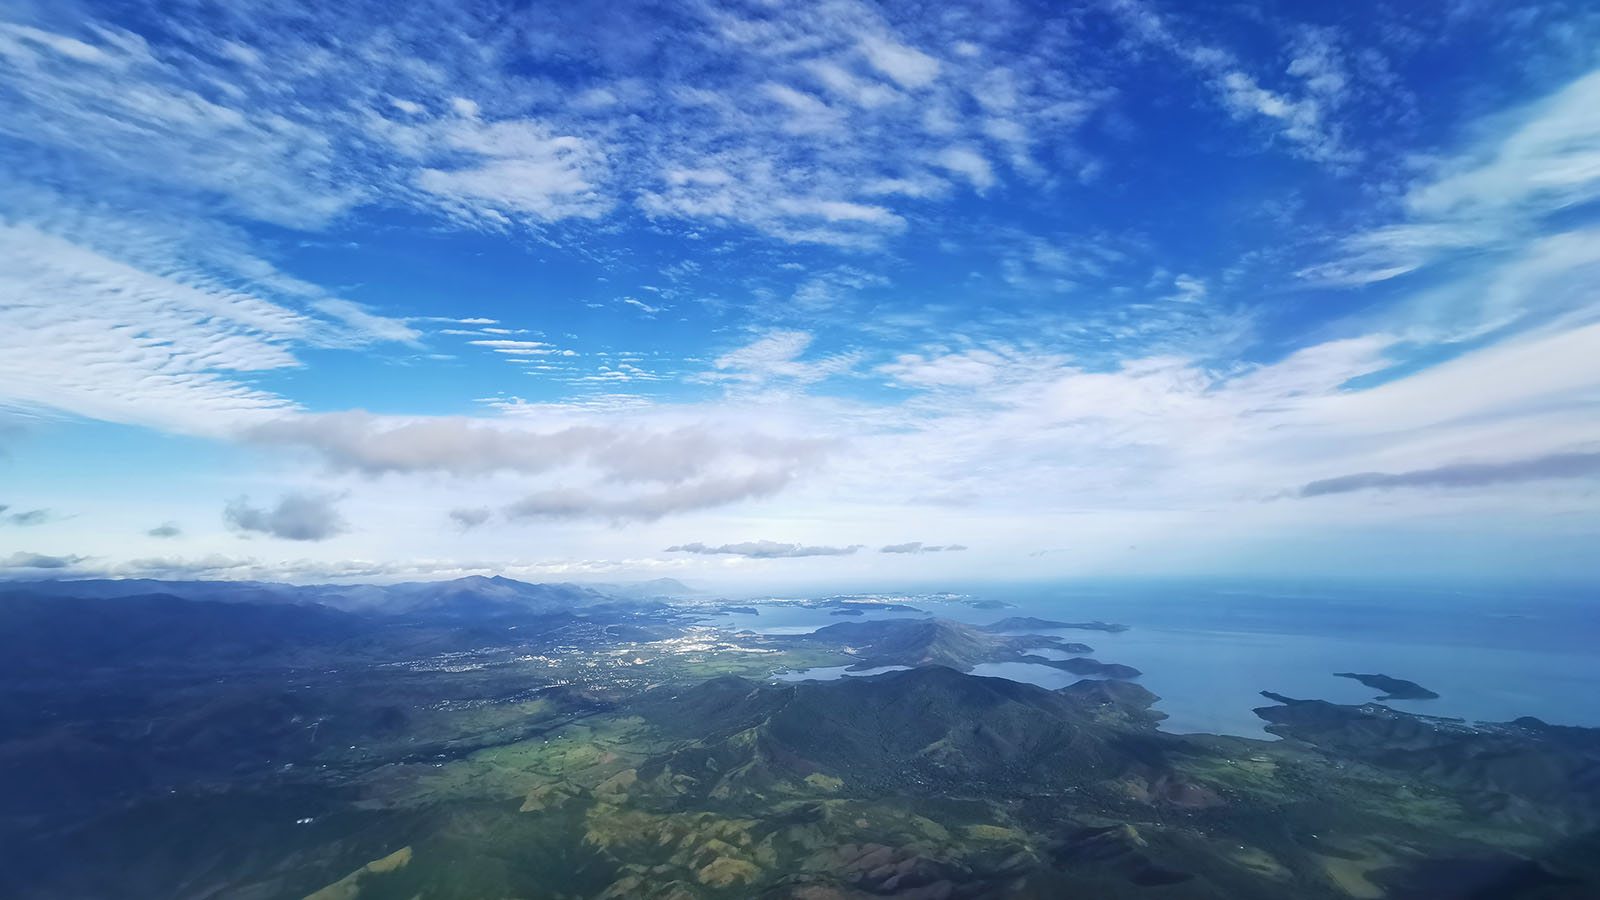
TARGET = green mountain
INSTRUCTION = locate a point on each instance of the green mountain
(941, 642)
(196, 750)
(1030, 623)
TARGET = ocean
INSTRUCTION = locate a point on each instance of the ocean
(1493, 652)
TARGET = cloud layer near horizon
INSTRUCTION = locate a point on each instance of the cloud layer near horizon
(763, 550)
(1463, 475)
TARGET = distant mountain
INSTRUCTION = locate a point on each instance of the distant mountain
(474, 596)
(106, 588)
(52, 626)
(54, 633)
(1030, 623)
(646, 590)
(941, 642)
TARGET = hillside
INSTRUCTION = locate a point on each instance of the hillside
(942, 642)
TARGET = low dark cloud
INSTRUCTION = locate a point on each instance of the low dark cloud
(469, 518)
(679, 469)
(165, 530)
(1463, 475)
(920, 547)
(24, 518)
(23, 560)
(375, 445)
(764, 550)
(297, 517)
(649, 506)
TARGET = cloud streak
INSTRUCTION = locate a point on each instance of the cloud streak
(1463, 475)
(920, 547)
(1489, 195)
(24, 518)
(764, 550)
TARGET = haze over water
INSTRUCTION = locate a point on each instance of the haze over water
(1208, 648)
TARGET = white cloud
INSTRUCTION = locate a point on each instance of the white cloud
(969, 164)
(807, 114)
(1540, 160)
(98, 338)
(841, 211)
(1393, 250)
(507, 344)
(910, 67)
(1320, 63)
(860, 91)
(367, 322)
(642, 306)
(777, 356)
(117, 103)
(102, 336)
(1494, 209)
(524, 171)
(1548, 161)
(1302, 120)
(967, 368)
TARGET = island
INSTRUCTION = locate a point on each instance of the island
(1079, 665)
(1393, 688)
(1030, 623)
(941, 642)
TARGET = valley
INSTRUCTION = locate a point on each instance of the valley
(622, 747)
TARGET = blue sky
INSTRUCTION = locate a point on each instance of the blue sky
(769, 293)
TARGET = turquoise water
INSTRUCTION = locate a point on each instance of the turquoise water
(1208, 649)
